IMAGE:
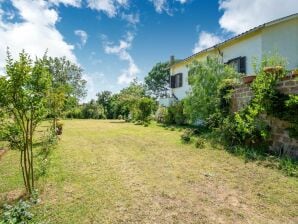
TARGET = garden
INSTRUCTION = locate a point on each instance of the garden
(123, 158)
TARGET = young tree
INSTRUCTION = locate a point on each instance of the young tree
(23, 95)
(205, 79)
(157, 80)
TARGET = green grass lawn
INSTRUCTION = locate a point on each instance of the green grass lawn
(114, 172)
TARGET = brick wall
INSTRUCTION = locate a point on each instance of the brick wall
(281, 142)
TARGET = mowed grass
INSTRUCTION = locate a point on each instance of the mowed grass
(115, 172)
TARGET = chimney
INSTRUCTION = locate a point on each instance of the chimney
(172, 59)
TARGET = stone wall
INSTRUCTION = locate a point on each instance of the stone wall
(281, 142)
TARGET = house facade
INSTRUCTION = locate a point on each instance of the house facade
(279, 36)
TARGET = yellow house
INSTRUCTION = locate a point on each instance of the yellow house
(280, 35)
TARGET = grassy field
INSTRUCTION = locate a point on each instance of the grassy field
(114, 172)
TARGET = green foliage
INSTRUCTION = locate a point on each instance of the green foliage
(24, 92)
(92, 110)
(186, 135)
(104, 99)
(206, 79)
(17, 214)
(144, 108)
(157, 79)
(200, 143)
(67, 87)
(174, 114)
(161, 114)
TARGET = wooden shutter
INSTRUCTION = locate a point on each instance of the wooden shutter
(180, 76)
(173, 81)
(242, 65)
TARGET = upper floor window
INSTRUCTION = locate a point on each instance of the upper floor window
(239, 64)
(176, 80)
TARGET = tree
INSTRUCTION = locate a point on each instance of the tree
(24, 91)
(104, 98)
(129, 96)
(67, 84)
(157, 79)
(92, 110)
(205, 79)
(145, 107)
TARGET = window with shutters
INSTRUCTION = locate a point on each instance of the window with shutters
(239, 64)
(176, 80)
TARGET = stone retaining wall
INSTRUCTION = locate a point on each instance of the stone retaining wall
(281, 142)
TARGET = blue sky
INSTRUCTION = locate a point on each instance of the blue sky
(115, 41)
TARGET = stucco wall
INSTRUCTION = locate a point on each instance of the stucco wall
(282, 37)
(181, 92)
(250, 48)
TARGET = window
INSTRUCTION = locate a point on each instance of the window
(239, 64)
(176, 80)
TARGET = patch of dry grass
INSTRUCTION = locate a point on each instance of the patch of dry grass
(111, 172)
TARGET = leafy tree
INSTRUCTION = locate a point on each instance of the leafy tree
(145, 107)
(129, 97)
(23, 95)
(67, 84)
(92, 110)
(104, 98)
(205, 79)
(157, 79)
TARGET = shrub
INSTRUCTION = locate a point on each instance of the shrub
(200, 143)
(18, 213)
(186, 136)
(144, 108)
(161, 114)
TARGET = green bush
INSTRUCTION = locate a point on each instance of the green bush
(200, 143)
(17, 214)
(186, 136)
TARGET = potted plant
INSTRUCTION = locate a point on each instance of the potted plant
(273, 69)
(248, 79)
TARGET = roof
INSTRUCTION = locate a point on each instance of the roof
(257, 28)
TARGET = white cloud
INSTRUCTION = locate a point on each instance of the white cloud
(163, 5)
(131, 18)
(36, 33)
(241, 15)
(160, 5)
(83, 37)
(110, 7)
(94, 82)
(206, 40)
(74, 3)
(121, 51)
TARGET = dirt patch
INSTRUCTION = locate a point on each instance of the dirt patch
(2, 152)
(12, 196)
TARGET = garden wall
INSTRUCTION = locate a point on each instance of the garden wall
(281, 142)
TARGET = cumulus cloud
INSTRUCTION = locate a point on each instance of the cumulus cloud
(74, 3)
(83, 37)
(239, 16)
(121, 50)
(206, 40)
(36, 32)
(163, 5)
(109, 7)
(131, 18)
(94, 82)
